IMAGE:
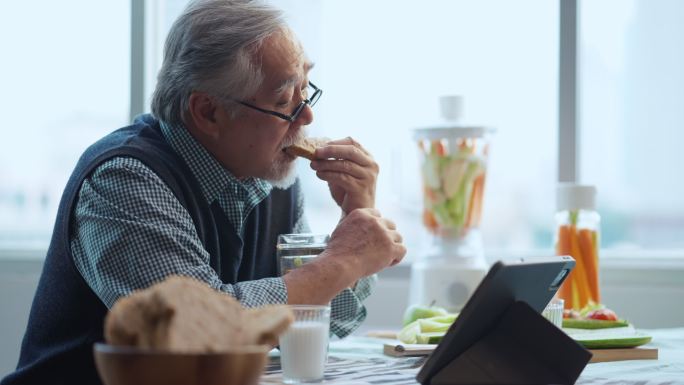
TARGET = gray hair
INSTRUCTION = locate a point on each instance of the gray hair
(212, 48)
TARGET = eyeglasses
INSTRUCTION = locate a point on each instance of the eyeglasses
(292, 117)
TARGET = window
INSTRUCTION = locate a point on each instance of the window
(65, 81)
(501, 56)
(408, 53)
(159, 15)
(632, 119)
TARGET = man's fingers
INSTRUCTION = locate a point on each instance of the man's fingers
(343, 166)
(396, 236)
(400, 251)
(344, 151)
(346, 181)
(373, 211)
(349, 141)
(389, 224)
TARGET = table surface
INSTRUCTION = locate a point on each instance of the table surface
(359, 361)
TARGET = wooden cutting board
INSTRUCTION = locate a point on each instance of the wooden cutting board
(599, 355)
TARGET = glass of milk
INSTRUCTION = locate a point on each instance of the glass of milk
(304, 346)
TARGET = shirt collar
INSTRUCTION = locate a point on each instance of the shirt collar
(213, 178)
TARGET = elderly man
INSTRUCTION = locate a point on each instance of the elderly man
(202, 188)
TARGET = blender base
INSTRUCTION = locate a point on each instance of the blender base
(447, 283)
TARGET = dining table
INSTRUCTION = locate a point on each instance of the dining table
(360, 360)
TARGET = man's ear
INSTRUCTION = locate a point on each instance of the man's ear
(203, 109)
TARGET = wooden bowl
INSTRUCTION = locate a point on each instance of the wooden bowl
(119, 365)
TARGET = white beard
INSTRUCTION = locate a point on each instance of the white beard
(282, 175)
(283, 172)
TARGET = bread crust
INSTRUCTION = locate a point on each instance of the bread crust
(305, 148)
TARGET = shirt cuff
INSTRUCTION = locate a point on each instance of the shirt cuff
(364, 286)
(266, 291)
(348, 311)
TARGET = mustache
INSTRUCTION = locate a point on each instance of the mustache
(293, 139)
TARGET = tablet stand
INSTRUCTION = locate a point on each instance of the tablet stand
(523, 348)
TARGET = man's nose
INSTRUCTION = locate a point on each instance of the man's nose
(305, 117)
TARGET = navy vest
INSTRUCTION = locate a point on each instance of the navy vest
(67, 317)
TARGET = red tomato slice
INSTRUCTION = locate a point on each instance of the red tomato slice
(603, 314)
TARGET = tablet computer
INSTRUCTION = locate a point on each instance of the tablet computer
(533, 281)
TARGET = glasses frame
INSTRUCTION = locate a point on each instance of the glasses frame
(311, 101)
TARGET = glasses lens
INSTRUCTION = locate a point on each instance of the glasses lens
(310, 101)
(314, 98)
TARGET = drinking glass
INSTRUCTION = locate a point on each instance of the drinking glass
(295, 250)
(554, 312)
(304, 346)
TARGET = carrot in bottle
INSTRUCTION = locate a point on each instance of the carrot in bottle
(582, 294)
(577, 226)
(587, 247)
(563, 248)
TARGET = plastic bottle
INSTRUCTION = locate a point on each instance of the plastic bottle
(577, 235)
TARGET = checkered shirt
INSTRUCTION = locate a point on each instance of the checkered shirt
(130, 231)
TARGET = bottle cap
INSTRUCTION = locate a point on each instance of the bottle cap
(571, 196)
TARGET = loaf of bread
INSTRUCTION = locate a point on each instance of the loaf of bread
(306, 147)
(182, 314)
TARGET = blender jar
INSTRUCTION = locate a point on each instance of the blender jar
(453, 167)
(453, 163)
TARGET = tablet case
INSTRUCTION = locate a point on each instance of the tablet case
(523, 348)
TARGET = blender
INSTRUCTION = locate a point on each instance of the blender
(453, 166)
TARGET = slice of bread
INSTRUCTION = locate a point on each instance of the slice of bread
(306, 147)
(182, 314)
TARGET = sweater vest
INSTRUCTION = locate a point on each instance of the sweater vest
(67, 317)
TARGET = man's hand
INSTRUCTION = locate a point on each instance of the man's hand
(366, 242)
(350, 171)
(363, 243)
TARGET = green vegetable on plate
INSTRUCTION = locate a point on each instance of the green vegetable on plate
(426, 330)
(575, 323)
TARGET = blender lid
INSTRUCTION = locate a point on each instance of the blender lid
(434, 133)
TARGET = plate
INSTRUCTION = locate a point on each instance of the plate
(622, 337)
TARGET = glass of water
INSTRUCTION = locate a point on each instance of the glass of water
(294, 250)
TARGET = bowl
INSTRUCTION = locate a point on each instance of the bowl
(119, 365)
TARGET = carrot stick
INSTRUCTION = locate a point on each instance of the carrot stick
(563, 241)
(462, 143)
(586, 244)
(581, 273)
(471, 202)
(428, 193)
(477, 210)
(438, 147)
(563, 248)
(565, 292)
(429, 220)
(472, 217)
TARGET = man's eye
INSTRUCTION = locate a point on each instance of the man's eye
(283, 103)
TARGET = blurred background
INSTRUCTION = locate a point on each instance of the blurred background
(74, 70)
